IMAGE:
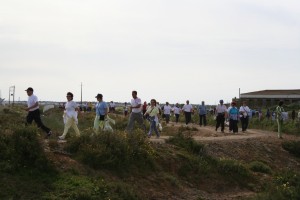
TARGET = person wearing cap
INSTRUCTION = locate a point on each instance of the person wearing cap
(221, 111)
(101, 113)
(136, 113)
(34, 111)
(70, 116)
(188, 110)
(233, 115)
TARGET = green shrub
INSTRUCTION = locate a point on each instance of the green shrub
(293, 147)
(232, 168)
(284, 186)
(116, 151)
(187, 142)
(257, 166)
(23, 150)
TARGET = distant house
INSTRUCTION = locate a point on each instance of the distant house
(266, 98)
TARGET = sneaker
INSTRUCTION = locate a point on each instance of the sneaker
(61, 138)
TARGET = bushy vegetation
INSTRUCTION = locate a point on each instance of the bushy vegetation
(285, 185)
(112, 162)
(21, 150)
(257, 166)
(293, 147)
(115, 151)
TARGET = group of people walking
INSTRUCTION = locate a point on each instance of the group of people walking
(151, 112)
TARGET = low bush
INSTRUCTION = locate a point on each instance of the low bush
(116, 151)
(186, 141)
(293, 147)
(22, 150)
(257, 166)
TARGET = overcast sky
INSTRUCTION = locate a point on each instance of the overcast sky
(169, 50)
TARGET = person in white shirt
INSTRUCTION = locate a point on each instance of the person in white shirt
(70, 116)
(244, 116)
(34, 111)
(112, 107)
(167, 112)
(188, 109)
(221, 111)
(136, 113)
(177, 111)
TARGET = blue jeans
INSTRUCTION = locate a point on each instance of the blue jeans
(153, 127)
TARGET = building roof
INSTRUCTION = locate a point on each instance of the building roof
(285, 94)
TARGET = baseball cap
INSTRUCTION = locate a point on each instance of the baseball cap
(29, 89)
(99, 96)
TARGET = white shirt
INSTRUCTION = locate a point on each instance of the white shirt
(221, 108)
(167, 109)
(134, 103)
(70, 109)
(31, 101)
(176, 110)
(187, 108)
(244, 109)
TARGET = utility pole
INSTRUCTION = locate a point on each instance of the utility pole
(11, 92)
(81, 96)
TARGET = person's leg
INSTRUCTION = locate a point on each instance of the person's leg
(200, 120)
(75, 127)
(29, 118)
(96, 124)
(130, 124)
(186, 117)
(218, 122)
(155, 129)
(152, 123)
(68, 124)
(230, 125)
(177, 117)
(280, 122)
(235, 126)
(204, 120)
(246, 123)
(189, 117)
(38, 121)
(167, 118)
(140, 120)
(222, 123)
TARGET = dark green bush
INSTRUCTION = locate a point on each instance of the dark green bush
(232, 168)
(21, 149)
(188, 143)
(118, 150)
(257, 166)
(293, 147)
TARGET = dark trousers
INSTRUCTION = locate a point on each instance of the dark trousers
(35, 115)
(233, 125)
(202, 118)
(177, 117)
(188, 117)
(167, 116)
(220, 121)
(245, 122)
